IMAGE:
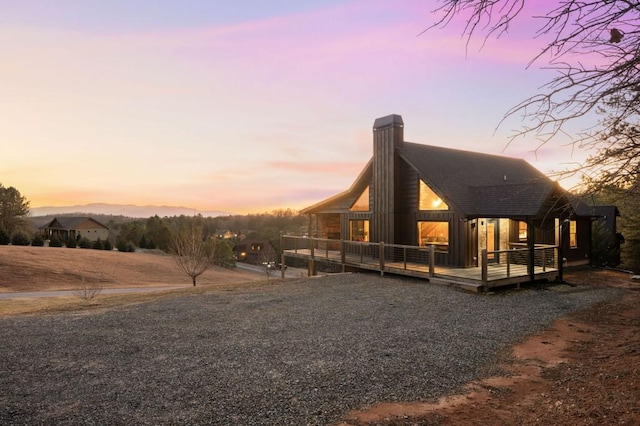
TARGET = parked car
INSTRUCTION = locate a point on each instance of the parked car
(273, 265)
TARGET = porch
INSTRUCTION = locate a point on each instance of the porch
(497, 268)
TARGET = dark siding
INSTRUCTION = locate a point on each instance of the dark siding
(385, 176)
(582, 252)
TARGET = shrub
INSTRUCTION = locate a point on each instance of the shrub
(71, 242)
(84, 243)
(37, 241)
(19, 239)
(55, 242)
(126, 246)
(97, 245)
(107, 245)
(4, 238)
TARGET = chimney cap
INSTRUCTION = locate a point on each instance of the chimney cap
(388, 121)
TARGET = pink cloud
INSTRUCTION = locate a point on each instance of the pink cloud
(344, 169)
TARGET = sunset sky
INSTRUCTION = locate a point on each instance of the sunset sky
(243, 106)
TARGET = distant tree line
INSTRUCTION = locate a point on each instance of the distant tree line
(155, 232)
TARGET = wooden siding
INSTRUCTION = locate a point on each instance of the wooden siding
(383, 181)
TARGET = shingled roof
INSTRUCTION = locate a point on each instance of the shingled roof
(478, 184)
(481, 184)
(69, 222)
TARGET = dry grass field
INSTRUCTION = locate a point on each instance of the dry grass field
(29, 269)
(53, 268)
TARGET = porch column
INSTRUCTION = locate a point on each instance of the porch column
(531, 244)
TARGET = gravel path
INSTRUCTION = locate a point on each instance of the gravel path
(303, 352)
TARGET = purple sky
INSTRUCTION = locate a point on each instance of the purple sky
(239, 106)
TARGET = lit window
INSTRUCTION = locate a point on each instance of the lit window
(362, 203)
(429, 200)
(522, 231)
(434, 233)
(359, 230)
(573, 234)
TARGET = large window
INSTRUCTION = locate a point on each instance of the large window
(359, 230)
(362, 203)
(429, 200)
(573, 234)
(434, 233)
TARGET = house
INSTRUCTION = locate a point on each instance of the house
(609, 240)
(75, 227)
(255, 251)
(460, 202)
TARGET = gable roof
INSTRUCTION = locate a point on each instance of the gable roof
(344, 199)
(70, 222)
(478, 184)
(481, 184)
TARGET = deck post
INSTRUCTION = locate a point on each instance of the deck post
(342, 255)
(544, 260)
(508, 263)
(282, 264)
(404, 257)
(432, 260)
(312, 263)
(531, 245)
(381, 255)
(485, 272)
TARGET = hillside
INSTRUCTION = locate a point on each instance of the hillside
(53, 268)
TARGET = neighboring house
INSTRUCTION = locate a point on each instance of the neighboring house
(255, 251)
(226, 234)
(75, 227)
(459, 201)
(606, 221)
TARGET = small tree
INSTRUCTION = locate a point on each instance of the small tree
(4, 238)
(20, 239)
(85, 243)
(55, 242)
(70, 242)
(223, 253)
(37, 241)
(193, 254)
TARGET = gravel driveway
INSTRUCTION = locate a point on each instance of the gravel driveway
(303, 352)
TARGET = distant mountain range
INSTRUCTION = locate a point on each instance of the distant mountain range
(128, 210)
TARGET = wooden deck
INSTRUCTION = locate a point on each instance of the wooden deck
(418, 262)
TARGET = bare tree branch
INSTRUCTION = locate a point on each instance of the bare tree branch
(594, 48)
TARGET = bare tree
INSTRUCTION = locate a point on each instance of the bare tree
(192, 252)
(594, 47)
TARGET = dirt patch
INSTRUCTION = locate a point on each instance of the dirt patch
(583, 370)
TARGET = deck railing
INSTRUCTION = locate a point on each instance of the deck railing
(379, 256)
(494, 265)
(500, 264)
